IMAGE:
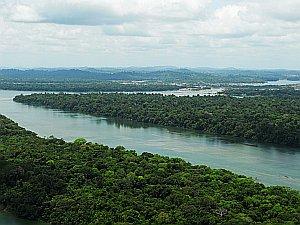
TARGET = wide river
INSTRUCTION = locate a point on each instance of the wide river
(271, 165)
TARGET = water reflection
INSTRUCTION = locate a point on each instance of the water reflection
(210, 139)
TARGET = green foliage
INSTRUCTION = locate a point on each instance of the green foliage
(270, 91)
(165, 75)
(262, 119)
(80, 141)
(69, 183)
(84, 86)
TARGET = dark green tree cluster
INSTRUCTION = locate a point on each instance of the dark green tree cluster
(84, 183)
(263, 119)
(85, 86)
(166, 75)
(270, 91)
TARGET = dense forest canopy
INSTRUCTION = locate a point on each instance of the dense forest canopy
(270, 91)
(191, 75)
(263, 119)
(87, 86)
(132, 79)
(84, 183)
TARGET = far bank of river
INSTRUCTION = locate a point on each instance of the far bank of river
(268, 83)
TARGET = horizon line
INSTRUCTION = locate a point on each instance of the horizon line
(143, 67)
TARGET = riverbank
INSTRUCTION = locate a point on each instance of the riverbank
(259, 119)
(267, 163)
(85, 183)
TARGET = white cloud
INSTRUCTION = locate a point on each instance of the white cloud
(227, 22)
(154, 27)
(287, 10)
(24, 13)
(125, 30)
(106, 12)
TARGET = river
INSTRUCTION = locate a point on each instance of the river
(269, 83)
(271, 165)
(11, 220)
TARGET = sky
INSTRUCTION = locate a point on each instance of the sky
(184, 33)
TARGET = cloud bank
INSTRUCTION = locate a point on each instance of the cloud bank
(198, 31)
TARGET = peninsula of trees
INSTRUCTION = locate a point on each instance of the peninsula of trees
(57, 182)
(274, 119)
(86, 86)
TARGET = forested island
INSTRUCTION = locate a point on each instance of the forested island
(79, 182)
(272, 119)
(86, 86)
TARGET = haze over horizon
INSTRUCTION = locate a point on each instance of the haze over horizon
(154, 67)
(122, 33)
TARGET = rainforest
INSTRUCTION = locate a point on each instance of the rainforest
(148, 112)
(80, 182)
(261, 119)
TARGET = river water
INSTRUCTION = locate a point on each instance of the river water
(271, 165)
(11, 220)
(269, 83)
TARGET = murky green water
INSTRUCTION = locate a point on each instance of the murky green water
(269, 164)
(10, 220)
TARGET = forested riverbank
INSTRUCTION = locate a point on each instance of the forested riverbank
(267, 91)
(85, 183)
(262, 119)
(132, 79)
(85, 86)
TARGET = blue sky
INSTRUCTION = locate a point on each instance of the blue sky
(224, 33)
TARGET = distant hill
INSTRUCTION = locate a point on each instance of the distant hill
(163, 74)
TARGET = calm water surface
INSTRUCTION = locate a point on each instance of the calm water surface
(268, 164)
(10, 220)
(186, 91)
(276, 83)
